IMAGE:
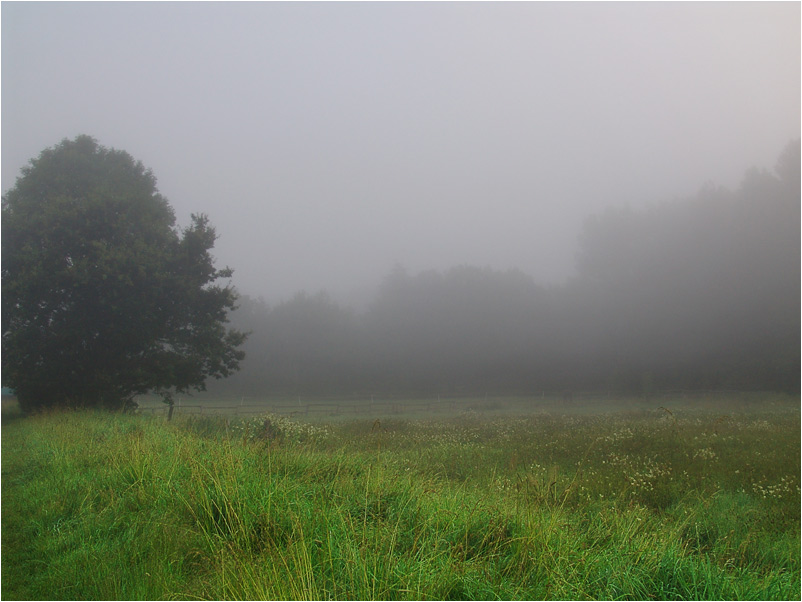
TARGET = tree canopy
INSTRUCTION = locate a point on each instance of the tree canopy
(104, 297)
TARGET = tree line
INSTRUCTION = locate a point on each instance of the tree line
(105, 298)
(696, 293)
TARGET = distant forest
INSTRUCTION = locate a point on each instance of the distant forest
(696, 294)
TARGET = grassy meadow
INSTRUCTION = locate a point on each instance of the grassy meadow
(669, 499)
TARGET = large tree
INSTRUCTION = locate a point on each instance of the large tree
(103, 296)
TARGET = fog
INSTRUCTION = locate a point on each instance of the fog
(329, 142)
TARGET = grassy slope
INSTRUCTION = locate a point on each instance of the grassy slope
(637, 505)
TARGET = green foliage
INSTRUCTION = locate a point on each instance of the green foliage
(97, 506)
(102, 297)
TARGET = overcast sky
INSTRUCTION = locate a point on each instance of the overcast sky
(329, 141)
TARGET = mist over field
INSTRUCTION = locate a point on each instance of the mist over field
(456, 197)
(514, 311)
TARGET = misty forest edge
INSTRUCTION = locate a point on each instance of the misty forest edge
(695, 293)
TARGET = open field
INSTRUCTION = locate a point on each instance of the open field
(667, 498)
(348, 407)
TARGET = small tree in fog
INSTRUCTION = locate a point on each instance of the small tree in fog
(103, 297)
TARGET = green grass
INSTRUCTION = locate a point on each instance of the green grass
(684, 503)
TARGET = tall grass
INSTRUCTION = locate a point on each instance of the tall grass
(646, 504)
